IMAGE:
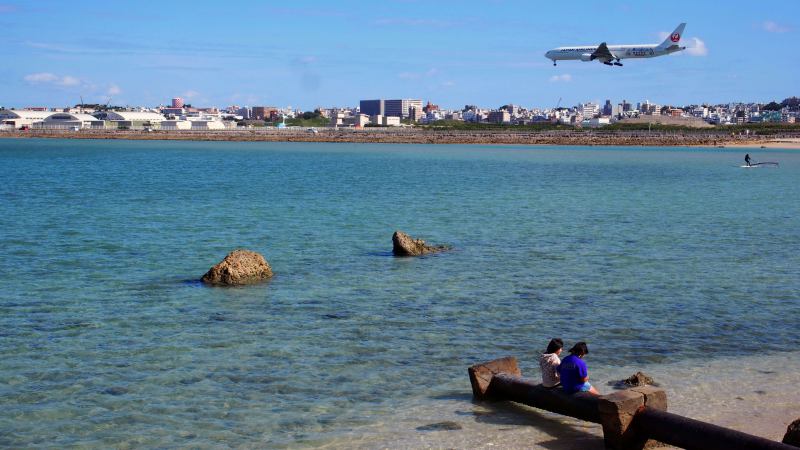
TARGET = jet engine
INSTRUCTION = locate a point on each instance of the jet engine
(586, 57)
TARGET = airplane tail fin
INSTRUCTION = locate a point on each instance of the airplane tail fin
(674, 38)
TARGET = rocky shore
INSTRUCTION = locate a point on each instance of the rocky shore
(428, 136)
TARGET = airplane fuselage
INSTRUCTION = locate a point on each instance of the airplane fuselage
(620, 51)
(612, 54)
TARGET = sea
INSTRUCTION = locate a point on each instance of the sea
(674, 261)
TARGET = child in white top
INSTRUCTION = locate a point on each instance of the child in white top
(549, 362)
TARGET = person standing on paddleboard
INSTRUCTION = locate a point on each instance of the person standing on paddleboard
(747, 159)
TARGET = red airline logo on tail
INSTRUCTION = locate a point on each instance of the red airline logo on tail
(675, 37)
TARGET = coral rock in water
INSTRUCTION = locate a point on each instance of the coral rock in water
(405, 245)
(239, 267)
(639, 379)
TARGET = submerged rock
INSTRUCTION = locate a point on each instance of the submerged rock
(116, 391)
(637, 379)
(239, 267)
(792, 436)
(440, 426)
(405, 245)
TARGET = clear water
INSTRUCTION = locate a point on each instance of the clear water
(651, 255)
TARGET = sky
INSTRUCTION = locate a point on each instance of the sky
(307, 54)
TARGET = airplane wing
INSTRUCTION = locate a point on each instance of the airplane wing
(603, 53)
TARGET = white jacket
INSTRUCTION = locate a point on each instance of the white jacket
(549, 363)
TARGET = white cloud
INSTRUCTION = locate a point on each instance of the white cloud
(561, 78)
(113, 89)
(696, 47)
(188, 95)
(408, 75)
(42, 77)
(418, 75)
(69, 81)
(432, 23)
(52, 79)
(449, 83)
(774, 27)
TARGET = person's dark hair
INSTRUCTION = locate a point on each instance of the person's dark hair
(579, 349)
(555, 345)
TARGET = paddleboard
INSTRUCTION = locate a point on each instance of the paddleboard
(761, 164)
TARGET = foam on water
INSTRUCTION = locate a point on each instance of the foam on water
(653, 256)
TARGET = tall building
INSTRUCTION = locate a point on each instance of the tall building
(607, 108)
(372, 107)
(415, 113)
(512, 109)
(400, 107)
(177, 102)
(649, 108)
(590, 110)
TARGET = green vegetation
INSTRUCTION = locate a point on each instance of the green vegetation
(251, 123)
(459, 125)
(792, 102)
(301, 121)
(308, 115)
(762, 128)
(657, 127)
(754, 128)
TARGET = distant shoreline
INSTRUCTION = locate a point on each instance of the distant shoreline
(417, 136)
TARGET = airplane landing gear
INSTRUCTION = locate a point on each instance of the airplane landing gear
(607, 63)
(618, 64)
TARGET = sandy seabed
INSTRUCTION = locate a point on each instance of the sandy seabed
(755, 394)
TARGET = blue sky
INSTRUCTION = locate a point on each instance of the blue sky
(325, 53)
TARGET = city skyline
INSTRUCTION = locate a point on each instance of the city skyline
(487, 53)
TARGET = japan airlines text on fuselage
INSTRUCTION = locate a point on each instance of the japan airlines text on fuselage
(612, 54)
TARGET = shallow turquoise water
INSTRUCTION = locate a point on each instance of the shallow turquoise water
(650, 255)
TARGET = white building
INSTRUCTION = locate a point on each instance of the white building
(455, 115)
(70, 121)
(338, 117)
(358, 120)
(19, 118)
(206, 125)
(131, 120)
(590, 109)
(700, 111)
(434, 115)
(597, 122)
(650, 108)
(391, 121)
(176, 125)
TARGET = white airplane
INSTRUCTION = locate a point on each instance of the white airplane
(611, 55)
